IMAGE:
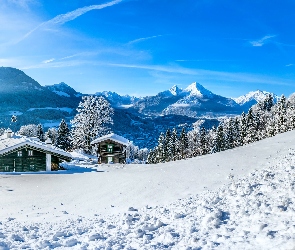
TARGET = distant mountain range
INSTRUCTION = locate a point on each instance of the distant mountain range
(139, 119)
(193, 101)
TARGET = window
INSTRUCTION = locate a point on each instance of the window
(110, 148)
(32, 168)
(30, 152)
(6, 168)
(19, 153)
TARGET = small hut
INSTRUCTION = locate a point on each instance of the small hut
(111, 148)
(28, 154)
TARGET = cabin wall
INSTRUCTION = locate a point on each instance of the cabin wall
(13, 162)
(116, 155)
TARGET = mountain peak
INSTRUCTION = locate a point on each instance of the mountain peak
(256, 96)
(175, 90)
(62, 89)
(198, 90)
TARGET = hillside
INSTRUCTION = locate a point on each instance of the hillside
(237, 199)
(19, 90)
(23, 96)
(141, 120)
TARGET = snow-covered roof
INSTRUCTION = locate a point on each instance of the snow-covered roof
(10, 144)
(112, 137)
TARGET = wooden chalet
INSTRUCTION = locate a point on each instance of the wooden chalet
(27, 154)
(111, 148)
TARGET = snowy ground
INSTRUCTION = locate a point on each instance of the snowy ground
(237, 199)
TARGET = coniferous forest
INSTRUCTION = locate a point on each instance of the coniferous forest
(263, 120)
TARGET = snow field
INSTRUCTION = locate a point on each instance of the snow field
(254, 212)
(240, 208)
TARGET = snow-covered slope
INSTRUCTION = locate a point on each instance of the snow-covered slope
(238, 199)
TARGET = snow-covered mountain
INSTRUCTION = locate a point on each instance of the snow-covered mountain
(138, 119)
(117, 100)
(195, 100)
(63, 89)
(254, 97)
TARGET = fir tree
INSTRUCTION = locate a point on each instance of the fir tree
(220, 140)
(152, 157)
(236, 133)
(203, 145)
(160, 149)
(212, 142)
(281, 115)
(251, 128)
(169, 147)
(229, 134)
(183, 144)
(243, 128)
(40, 132)
(175, 141)
(268, 102)
(63, 139)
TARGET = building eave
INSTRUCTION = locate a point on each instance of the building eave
(63, 155)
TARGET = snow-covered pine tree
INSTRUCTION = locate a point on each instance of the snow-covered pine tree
(280, 114)
(63, 139)
(183, 144)
(202, 142)
(175, 141)
(160, 149)
(236, 133)
(251, 135)
(243, 127)
(52, 134)
(229, 131)
(152, 157)
(212, 135)
(40, 132)
(291, 112)
(92, 120)
(268, 102)
(220, 139)
(169, 149)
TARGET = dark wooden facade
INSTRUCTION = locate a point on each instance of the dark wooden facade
(26, 159)
(111, 152)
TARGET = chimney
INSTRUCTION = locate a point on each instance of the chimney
(48, 142)
(8, 133)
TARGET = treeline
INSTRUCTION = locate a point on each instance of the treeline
(263, 120)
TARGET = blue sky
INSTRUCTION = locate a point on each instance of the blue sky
(141, 47)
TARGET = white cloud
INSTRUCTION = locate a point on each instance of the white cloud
(262, 41)
(289, 65)
(63, 18)
(143, 39)
(48, 61)
(210, 74)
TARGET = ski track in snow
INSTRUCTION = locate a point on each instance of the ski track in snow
(252, 211)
